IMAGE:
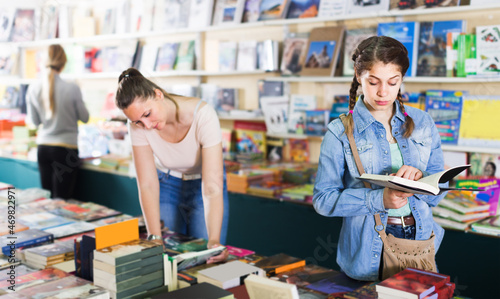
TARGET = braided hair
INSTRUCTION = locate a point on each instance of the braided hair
(133, 85)
(370, 51)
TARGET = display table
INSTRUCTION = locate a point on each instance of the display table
(270, 226)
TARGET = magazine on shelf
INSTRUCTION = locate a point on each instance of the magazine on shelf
(323, 51)
(428, 185)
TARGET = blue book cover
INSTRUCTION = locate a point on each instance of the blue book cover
(316, 122)
(407, 34)
(445, 108)
(432, 46)
(303, 9)
(25, 239)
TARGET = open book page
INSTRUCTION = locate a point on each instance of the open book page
(426, 185)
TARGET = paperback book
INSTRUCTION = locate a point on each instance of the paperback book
(432, 46)
(445, 108)
(294, 50)
(487, 44)
(428, 185)
(407, 34)
(228, 275)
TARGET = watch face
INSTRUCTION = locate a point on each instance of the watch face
(154, 237)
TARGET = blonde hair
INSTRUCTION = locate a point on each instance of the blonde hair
(56, 61)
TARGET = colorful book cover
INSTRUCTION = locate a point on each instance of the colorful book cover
(407, 34)
(173, 240)
(272, 9)
(26, 239)
(487, 45)
(227, 99)
(299, 104)
(24, 27)
(185, 56)
(294, 48)
(299, 150)
(305, 275)
(250, 137)
(412, 281)
(67, 286)
(490, 195)
(445, 108)
(420, 4)
(278, 263)
(483, 164)
(317, 121)
(491, 224)
(336, 284)
(478, 124)
(302, 9)
(166, 57)
(251, 11)
(44, 220)
(463, 202)
(432, 46)
(238, 252)
(33, 278)
(351, 40)
(46, 252)
(466, 55)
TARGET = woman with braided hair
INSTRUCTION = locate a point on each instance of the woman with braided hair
(390, 139)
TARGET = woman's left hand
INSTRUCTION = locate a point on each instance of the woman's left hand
(218, 258)
(409, 172)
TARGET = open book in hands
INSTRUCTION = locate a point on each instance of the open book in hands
(427, 185)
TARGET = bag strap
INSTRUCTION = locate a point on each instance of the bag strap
(378, 222)
(354, 150)
(361, 170)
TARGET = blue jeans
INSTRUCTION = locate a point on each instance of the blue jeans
(181, 206)
(398, 231)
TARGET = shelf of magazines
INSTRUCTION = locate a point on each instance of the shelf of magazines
(324, 79)
(280, 22)
(193, 73)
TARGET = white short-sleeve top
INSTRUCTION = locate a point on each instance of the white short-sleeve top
(185, 155)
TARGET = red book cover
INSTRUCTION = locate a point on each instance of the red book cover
(446, 291)
(34, 278)
(239, 252)
(410, 281)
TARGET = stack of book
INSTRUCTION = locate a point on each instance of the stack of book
(50, 254)
(414, 283)
(241, 180)
(489, 226)
(458, 209)
(129, 268)
(228, 275)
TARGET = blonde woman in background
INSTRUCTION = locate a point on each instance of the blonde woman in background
(56, 106)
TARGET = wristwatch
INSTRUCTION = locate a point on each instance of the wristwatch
(154, 237)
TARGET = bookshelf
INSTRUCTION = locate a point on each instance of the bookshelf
(246, 82)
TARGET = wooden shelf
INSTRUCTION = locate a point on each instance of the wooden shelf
(282, 22)
(406, 80)
(471, 149)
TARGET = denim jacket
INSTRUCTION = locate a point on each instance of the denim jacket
(338, 192)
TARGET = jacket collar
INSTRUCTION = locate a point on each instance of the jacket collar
(364, 118)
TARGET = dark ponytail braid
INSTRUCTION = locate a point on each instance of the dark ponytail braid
(408, 125)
